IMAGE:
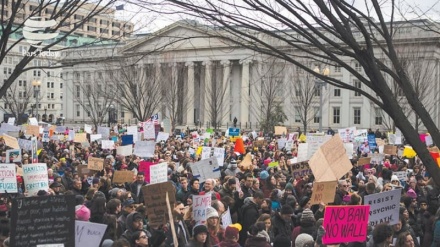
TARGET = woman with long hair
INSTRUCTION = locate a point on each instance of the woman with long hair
(405, 240)
(213, 225)
(266, 219)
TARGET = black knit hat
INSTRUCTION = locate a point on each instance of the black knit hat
(199, 229)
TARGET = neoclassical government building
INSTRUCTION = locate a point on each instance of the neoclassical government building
(221, 81)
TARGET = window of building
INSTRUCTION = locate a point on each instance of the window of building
(52, 95)
(357, 84)
(378, 116)
(61, 95)
(48, 95)
(357, 67)
(78, 91)
(356, 115)
(61, 85)
(337, 92)
(298, 89)
(316, 114)
(37, 73)
(78, 112)
(52, 85)
(48, 84)
(317, 91)
(337, 68)
(297, 115)
(336, 115)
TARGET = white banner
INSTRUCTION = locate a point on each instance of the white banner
(384, 207)
(107, 144)
(159, 173)
(206, 169)
(162, 136)
(144, 148)
(206, 153)
(8, 181)
(35, 178)
(125, 150)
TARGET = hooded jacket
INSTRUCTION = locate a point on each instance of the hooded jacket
(249, 215)
(129, 225)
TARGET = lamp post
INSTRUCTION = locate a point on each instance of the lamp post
(320, 84)
(36, 84)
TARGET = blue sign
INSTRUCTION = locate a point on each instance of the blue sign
(234, 131)
(127, 139)
(372, 142)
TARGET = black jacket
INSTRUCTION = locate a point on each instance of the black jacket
(134, 190)
(280, 227)
(249, 215)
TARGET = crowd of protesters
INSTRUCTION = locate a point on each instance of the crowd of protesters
(269, 208)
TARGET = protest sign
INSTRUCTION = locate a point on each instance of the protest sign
(384, 207)
(25, 144)
(380, 142)
(8, 181)
(226, 219)
(80, 137)
(372, 141)
(33, 130)
(376, 158)
(280, 130)
(390, 149)
(45, 137)
(95, 164)
(155, 201)
(11, 141)
(247, 162)
(95, 137)
(11, 120)
(35, 178)
(347, 134)
(13, 155)
(144, 166)
(34, 150)
(43, 221)
(7, 127)
(206, 153)
(107, 144)
(364, 161)
(200, 203)
(314, 142)
(428, 140)
(349, 149)
(219, 153)
(401, 175)
(301, 169)
(234, 131)
(124, 150)
(104, 132)
(88, 128)
(144, 148)
(159, 173)
(345, 224)
(162, 136)
(126, 140)
(123, 177)
(149, 132)
(323, 192)
(302, 152)
(88, 233)
(71, 135)
(207, 168)
(330, 162)
(33, 121)
(281, 142)
(60, 129)
(133, 130)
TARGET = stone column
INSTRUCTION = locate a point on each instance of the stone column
(226, 109)
(244, 93)
(190, 95)
(207, 90)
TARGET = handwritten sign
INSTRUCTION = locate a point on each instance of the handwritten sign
(390, 149)
(43, 221)
(123, 177)
(95, 137)
(200, 204)
(206, 153)
(384, 207)
(11, 141)
(302, 154)
(80, 137)
(280, 130)
(149, 132)
(207, 168)
(35, 178)
(8, 182)
(95, 164)
(159, 173)
(107, 144)
(33, 130)
(124, 150)
(162, 136)
(226, 219)
(155, 201)
(144, 148)
(11, 120)
(83, 170)
(219, 153)
(345, 224)
(323, 192)
(301, 169)
(401, 175)
(380, 142)
(88, 233)
(33, 121)
(364, 161)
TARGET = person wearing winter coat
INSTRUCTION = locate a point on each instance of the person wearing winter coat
(282, 222)
(231, 236)
(200, 237)
(307, 225)
(258, 237)
(249, 214)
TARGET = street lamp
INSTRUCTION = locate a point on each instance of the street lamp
(36, 84)
(320, 84)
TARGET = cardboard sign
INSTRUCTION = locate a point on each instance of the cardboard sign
(33, 130)
(80, 137)
(390, 149)
(155, 201)
(13, 155)
(323, 192)
(301, 169)
(88, 233)
(11, 141)
(8, 181)
(345, 224)
(380, 142)
(247, 162)
(36, 219)
(144, 149)
(200, 204)
(206, 169)
(107, 144)
(95, 164)
(120, 177)
(364, 161)
(330, 162)
(35, 178)
(159, 173)
(124, 150)
(280, 130)
(384, 207)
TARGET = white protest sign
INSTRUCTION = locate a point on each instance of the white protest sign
(133, 130)
(428, 140)
(200, 203)
(347, 134)
(159, 173)
(349, 149)
(401, 175)
(314, 142)
(302, 152)
(384, 207)
(219, 153)
(206, 153)
(376, 158)
(281, 142)
(289, 145)
(35, 178)
(107, 144)
(88, 128)
(149, 131)
(33, 121)
(144, 148)
(125, 150)
(226, 219)
(8, 181)
(11, 120)
(104, 132)
(71, 136)
(398, 137)
(162, 136)
(88, 233)
(45, 137)
(95, 137)
(25, 144)
(7, 127)
(207, 168)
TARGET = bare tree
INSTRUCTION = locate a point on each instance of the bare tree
(215, 91)
(327, 32)
(96, 96)
(139, 87)
(18, 99)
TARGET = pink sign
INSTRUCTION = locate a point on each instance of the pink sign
(144, 166)
(345, 224)
(423, 137)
